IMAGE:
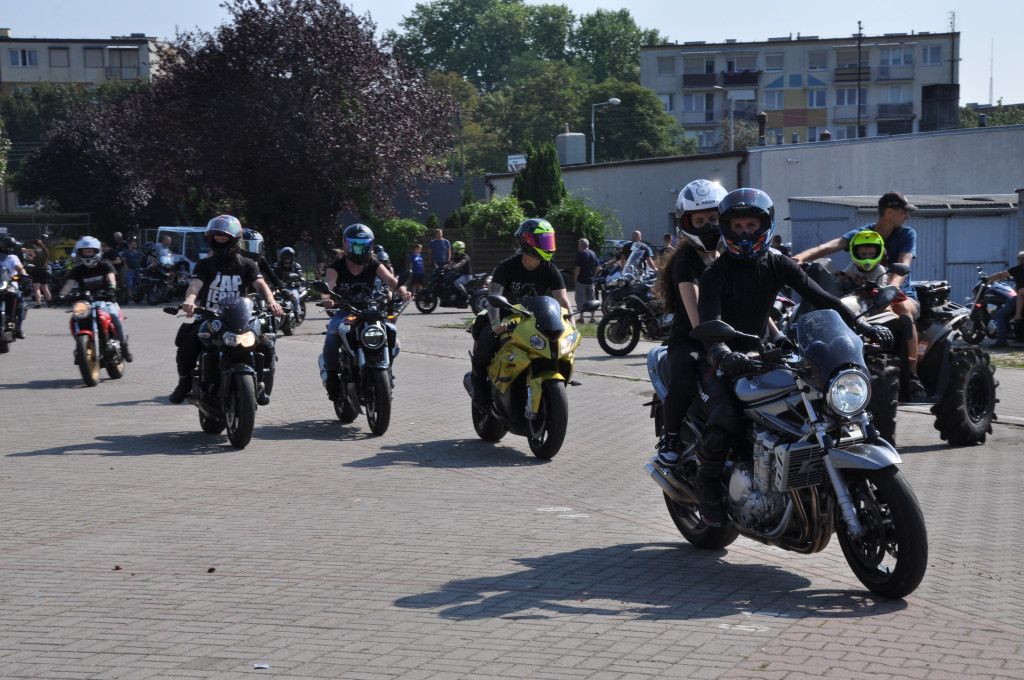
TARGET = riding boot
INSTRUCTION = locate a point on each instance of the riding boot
(182, 390)
(262, 398)
(481, 391)
(125, 353)
(709, 482)
(668, 449)
(333, 386)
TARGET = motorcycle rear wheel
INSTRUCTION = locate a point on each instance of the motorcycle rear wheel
(211, 425)
(619, 332)
(378, 401)
(87, 359)
(547, 429)
(966, 410)
(687, 518)
(487, 427)
(891, 557)
(241, 415)
(426, 302)
(974, 331)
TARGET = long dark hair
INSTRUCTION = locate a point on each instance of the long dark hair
(664, 286)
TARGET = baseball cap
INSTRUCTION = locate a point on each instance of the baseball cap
(894, 199)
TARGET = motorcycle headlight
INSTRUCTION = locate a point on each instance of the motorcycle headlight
(246, 339)
(81, 309)
(373, 337)
(849, 393)
(567, 343)
(3, 285)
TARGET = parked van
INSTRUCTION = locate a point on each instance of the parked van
(189, 243)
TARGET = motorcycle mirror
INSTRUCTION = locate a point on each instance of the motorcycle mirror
(499, 301)
(171, 310)
(405, 277)
(882, 299)
(590, 306)
(321, 287)
(711, 332)
(899, 268)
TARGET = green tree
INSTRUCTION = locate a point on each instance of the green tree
(481, 145)
(500, 216)
(1002, 115)
(539, 185)
(5, 147)
(432, 222)
(574, 216)
(608, 44)
(638, 127)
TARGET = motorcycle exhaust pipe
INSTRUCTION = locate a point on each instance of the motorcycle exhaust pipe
(674, 488)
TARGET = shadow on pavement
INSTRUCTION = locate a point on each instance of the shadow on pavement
(453, 453)
(61, 383)
(650, 581)
(325, 429)
(152, 444)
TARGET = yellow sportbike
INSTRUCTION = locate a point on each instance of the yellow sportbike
(529, 373)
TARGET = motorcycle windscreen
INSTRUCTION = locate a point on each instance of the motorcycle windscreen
(236, 313)
(827, 343)
(547, 312)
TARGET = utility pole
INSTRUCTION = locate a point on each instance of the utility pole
(860, 36)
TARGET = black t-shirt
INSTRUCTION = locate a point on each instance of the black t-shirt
(687, 267)
(232, 277)
(461, 264)
(92, 278)
(1017, 272)
(355, 287)
(519, 283)
(742, 292)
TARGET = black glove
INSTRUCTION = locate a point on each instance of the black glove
(783, 342)
(112, 292)
(736, 364)
(877, 334)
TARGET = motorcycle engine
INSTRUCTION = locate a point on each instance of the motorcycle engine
(751, 496)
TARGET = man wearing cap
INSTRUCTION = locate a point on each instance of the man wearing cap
(900, 246)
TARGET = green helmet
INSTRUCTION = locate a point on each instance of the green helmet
(458, 247)
(867, 259)
(537, 238)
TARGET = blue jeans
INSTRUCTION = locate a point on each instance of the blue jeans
(1003, 317)
(114, 311)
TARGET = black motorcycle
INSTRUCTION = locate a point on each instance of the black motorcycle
(296, 288)
(985, 299)
(635, 312)
(154, 285)
(8, 309)
(369, 345)
(227, 374)
(439, 290)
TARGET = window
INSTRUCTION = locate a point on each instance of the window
(898, 94)
(816, 61)
(847, 96)
(22, 57)
(847, 57)
(814, 133)
(773, 100)
(931, 55)
(706, 139)
(693, 102)
(846, 132)
(897, 56)
(59, 57)
(709, 66)
(666, 66)
(746, 62)
(666, 102)
(816, 99)
(773, 62)
(94, 57)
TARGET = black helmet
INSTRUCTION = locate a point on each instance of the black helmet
(747, 203)
(357, 242)
(286, 255)
(381, 254)
(537, 238)
(224, 224)
(8, 244)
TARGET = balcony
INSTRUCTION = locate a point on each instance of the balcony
(904, 110)
(122, 72)
(697, 117)
(704, 80)
(740, 77)
(851, 74)
(849, 113)
(891, 73)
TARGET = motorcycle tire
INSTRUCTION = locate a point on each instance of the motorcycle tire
(547, 429)
(286, 328)
(300, 314)
(687, 518)
(211, 425)
(378, 401)
(891, 556)
(87, 359)
(478, 303)
(964, 413)
(114, 362)
(139, 294)
(344, 410)
(487, 426)
(241, 415)
(5, 347)
(426, 302)
(619, 332)
(974, 331)
(157, 294)
(885, 394)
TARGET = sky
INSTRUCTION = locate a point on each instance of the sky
(991, 48)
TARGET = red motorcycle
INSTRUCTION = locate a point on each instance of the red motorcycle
(96, 343)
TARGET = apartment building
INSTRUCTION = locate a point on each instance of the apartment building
(26, 61)
(859, 86)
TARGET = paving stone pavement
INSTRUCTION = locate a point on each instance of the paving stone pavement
(132, 545)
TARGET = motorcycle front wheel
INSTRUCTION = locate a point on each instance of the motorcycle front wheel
(973, 331)
(241, 415)
(547, 429)
(619, 332)
(891, 556)
(211, 425)
(378, 401)
(157, 294)
(87, 359)
(300, 313)
(426, 301)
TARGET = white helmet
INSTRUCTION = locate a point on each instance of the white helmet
(85, 243)
(698, 196)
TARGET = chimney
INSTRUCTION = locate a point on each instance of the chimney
(5, 33)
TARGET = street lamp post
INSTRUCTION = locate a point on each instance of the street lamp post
(593, 137)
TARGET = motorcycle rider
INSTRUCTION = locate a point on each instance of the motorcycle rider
(382, 256)
(92, 272)
(353, 275)
(697, 238)
(740, 289)
(867, 248)
(461, 265)
(9, 249)
(900, 246)
(1013, 305)
(225, 273)
(284, 268)
(526, 274)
